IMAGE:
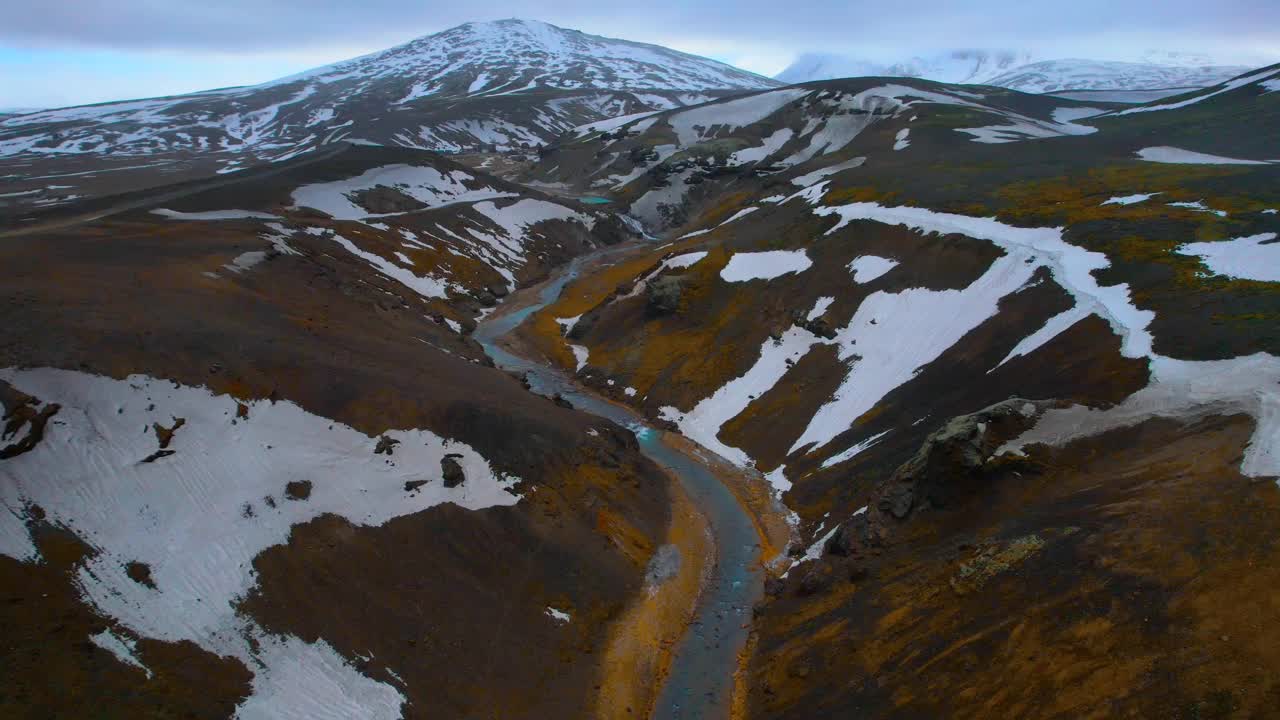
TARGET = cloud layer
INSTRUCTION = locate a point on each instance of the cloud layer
(283, 24)
(761, 35)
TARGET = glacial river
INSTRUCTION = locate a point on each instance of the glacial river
(700, 683)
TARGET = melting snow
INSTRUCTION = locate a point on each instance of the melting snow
(820, 307)
(199, 517)
(777, 477)
(1166, 154)
(902, 140)
(566, 324)
(125, 649)
(772, 144)
(424, 285)
(740, 214)
(704, 421)
(216, 215)
(1178, 387)
(1225, 87)
(869, 267)
(1200, 206)
(1182, 389)
(812, 177)
(1130, 199)
(854, 450)
(558, 615)
(764, 265)
(683, 261)
(1052, 328)
(424, 184)
(1256, 257)
(893, 335)
(697, 124)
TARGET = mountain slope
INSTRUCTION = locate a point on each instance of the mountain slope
(1076, 74)
(666, 166)
(255, 464)
(1024, 72)
(1019, 387)
(504, 84)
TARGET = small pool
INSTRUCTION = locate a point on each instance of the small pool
(593, 200)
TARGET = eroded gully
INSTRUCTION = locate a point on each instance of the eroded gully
(701, 677)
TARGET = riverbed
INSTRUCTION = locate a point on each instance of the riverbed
(700, 680)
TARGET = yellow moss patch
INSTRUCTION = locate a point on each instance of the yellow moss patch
(728, 205)
(641, 642)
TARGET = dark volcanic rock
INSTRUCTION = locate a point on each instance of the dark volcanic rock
(298, 490)
(947, 463)
(897, 500)
(841, 543)
(165, 434)
(818, 326)
(560, 400)
(453, 474)
(816, 579)
(140, 573)
(386, 445)
(382, 200)
(19, 410)
(663, 294)
(157, 455)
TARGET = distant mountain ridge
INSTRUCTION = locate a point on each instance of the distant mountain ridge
(1025, 71)
(958, 66)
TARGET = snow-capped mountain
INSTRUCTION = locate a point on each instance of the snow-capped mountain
(500, 84)
(958, 66)
(1024, 71)
(519, 55)
(1076, 74)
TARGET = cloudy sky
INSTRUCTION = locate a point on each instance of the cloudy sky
(62, 52)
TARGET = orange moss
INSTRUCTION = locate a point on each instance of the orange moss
(641, 642)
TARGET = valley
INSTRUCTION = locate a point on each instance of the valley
(515, 372)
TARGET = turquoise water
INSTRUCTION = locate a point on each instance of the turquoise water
(592, 200)
(701, 680)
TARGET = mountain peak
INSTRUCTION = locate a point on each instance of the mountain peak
(516, 54)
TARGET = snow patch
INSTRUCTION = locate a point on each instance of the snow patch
(1130, 199)
(1256, 257)
(198, 518)
(215, 215)
(125, 649)
(820, 307)
(854, 450)
(764, 265)
(1166, 154)
(866, 268)
(683, 261)
(812, 177)
(1199, 206)
(702, 424)
(427, 185)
